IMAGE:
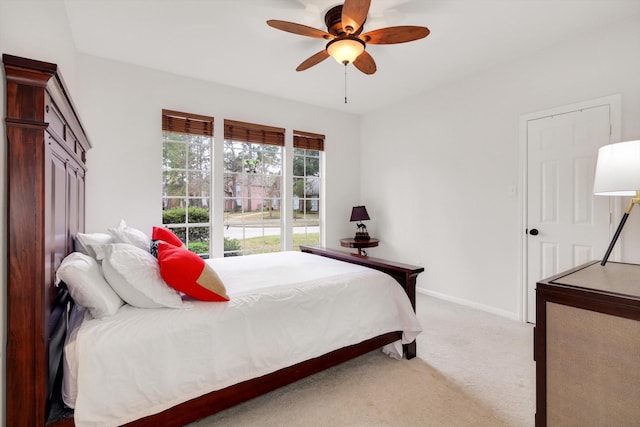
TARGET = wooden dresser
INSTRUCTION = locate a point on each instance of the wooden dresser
(587, 346)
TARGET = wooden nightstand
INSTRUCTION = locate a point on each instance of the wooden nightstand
(359, 244)
(405, 274)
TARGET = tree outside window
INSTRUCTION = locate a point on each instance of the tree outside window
(307, 185)
(252, 188)
(186, 178)
(306, 197)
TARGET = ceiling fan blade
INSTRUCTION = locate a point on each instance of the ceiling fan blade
(313, 60)
(365, 63)
(303, 30)
(354, 13)
(391, 35)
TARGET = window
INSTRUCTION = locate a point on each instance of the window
(186, 177)
(252, 182)
(252, 188)
(307, 150)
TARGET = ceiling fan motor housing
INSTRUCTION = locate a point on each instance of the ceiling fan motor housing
(333, 20)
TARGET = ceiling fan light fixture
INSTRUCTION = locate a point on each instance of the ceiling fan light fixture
(345, 50)
(345, 29)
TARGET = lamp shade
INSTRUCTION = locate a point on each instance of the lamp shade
(618, 169)
(345, 50)
(359, 213)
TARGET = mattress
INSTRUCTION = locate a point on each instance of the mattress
(284, 308)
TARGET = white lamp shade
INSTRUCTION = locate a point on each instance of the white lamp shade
(345, 50)
(618, 169)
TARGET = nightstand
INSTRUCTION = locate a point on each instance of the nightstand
(359, 244)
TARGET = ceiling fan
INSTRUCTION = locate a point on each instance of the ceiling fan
(347, 43)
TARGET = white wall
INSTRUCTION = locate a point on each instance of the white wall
(122, 112)
(436, 168)
(37, 30)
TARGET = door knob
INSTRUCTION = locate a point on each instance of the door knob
(533, 231)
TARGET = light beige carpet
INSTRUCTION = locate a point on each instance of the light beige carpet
(473, 369)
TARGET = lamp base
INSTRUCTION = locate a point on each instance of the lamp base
(362, 235)
(632, 202)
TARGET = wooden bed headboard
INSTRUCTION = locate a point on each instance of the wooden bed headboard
(46, 147)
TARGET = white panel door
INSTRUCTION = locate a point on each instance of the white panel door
(567, 226)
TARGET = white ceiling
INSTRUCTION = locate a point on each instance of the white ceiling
(228, 41)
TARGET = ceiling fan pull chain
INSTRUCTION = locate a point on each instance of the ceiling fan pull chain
(345, 82)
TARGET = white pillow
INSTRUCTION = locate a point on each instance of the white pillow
(135, 276)
(84, 241)
(125, 234)
(88, 288)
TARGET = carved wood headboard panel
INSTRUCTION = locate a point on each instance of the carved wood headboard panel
(46, 147)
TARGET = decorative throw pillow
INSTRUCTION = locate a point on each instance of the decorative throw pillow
(135, 276)
(125, 234)
(84, 241)
(83, 276)
(188, 273)
(166, 235)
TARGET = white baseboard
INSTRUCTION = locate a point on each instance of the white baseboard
(467, 303)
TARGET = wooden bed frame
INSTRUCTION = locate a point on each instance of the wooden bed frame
(46, 167)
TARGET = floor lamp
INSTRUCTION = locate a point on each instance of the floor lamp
(618, 174)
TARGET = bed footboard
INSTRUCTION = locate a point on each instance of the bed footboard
(404, 274)
(217, 401)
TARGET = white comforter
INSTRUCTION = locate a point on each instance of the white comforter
(285, 308)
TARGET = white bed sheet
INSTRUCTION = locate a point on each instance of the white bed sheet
(285, 308)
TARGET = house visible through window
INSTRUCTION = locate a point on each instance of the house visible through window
(252, 188)
(307, 150)
(186, 177)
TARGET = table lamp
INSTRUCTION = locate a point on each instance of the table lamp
(618, 174)
(359, 213)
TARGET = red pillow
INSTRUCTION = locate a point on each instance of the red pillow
(166, 235)
(186, 272)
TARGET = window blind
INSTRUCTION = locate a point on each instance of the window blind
(308, 140)
(250, 132)
(193, 124)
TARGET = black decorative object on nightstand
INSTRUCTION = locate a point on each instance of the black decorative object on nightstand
(359, 213)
